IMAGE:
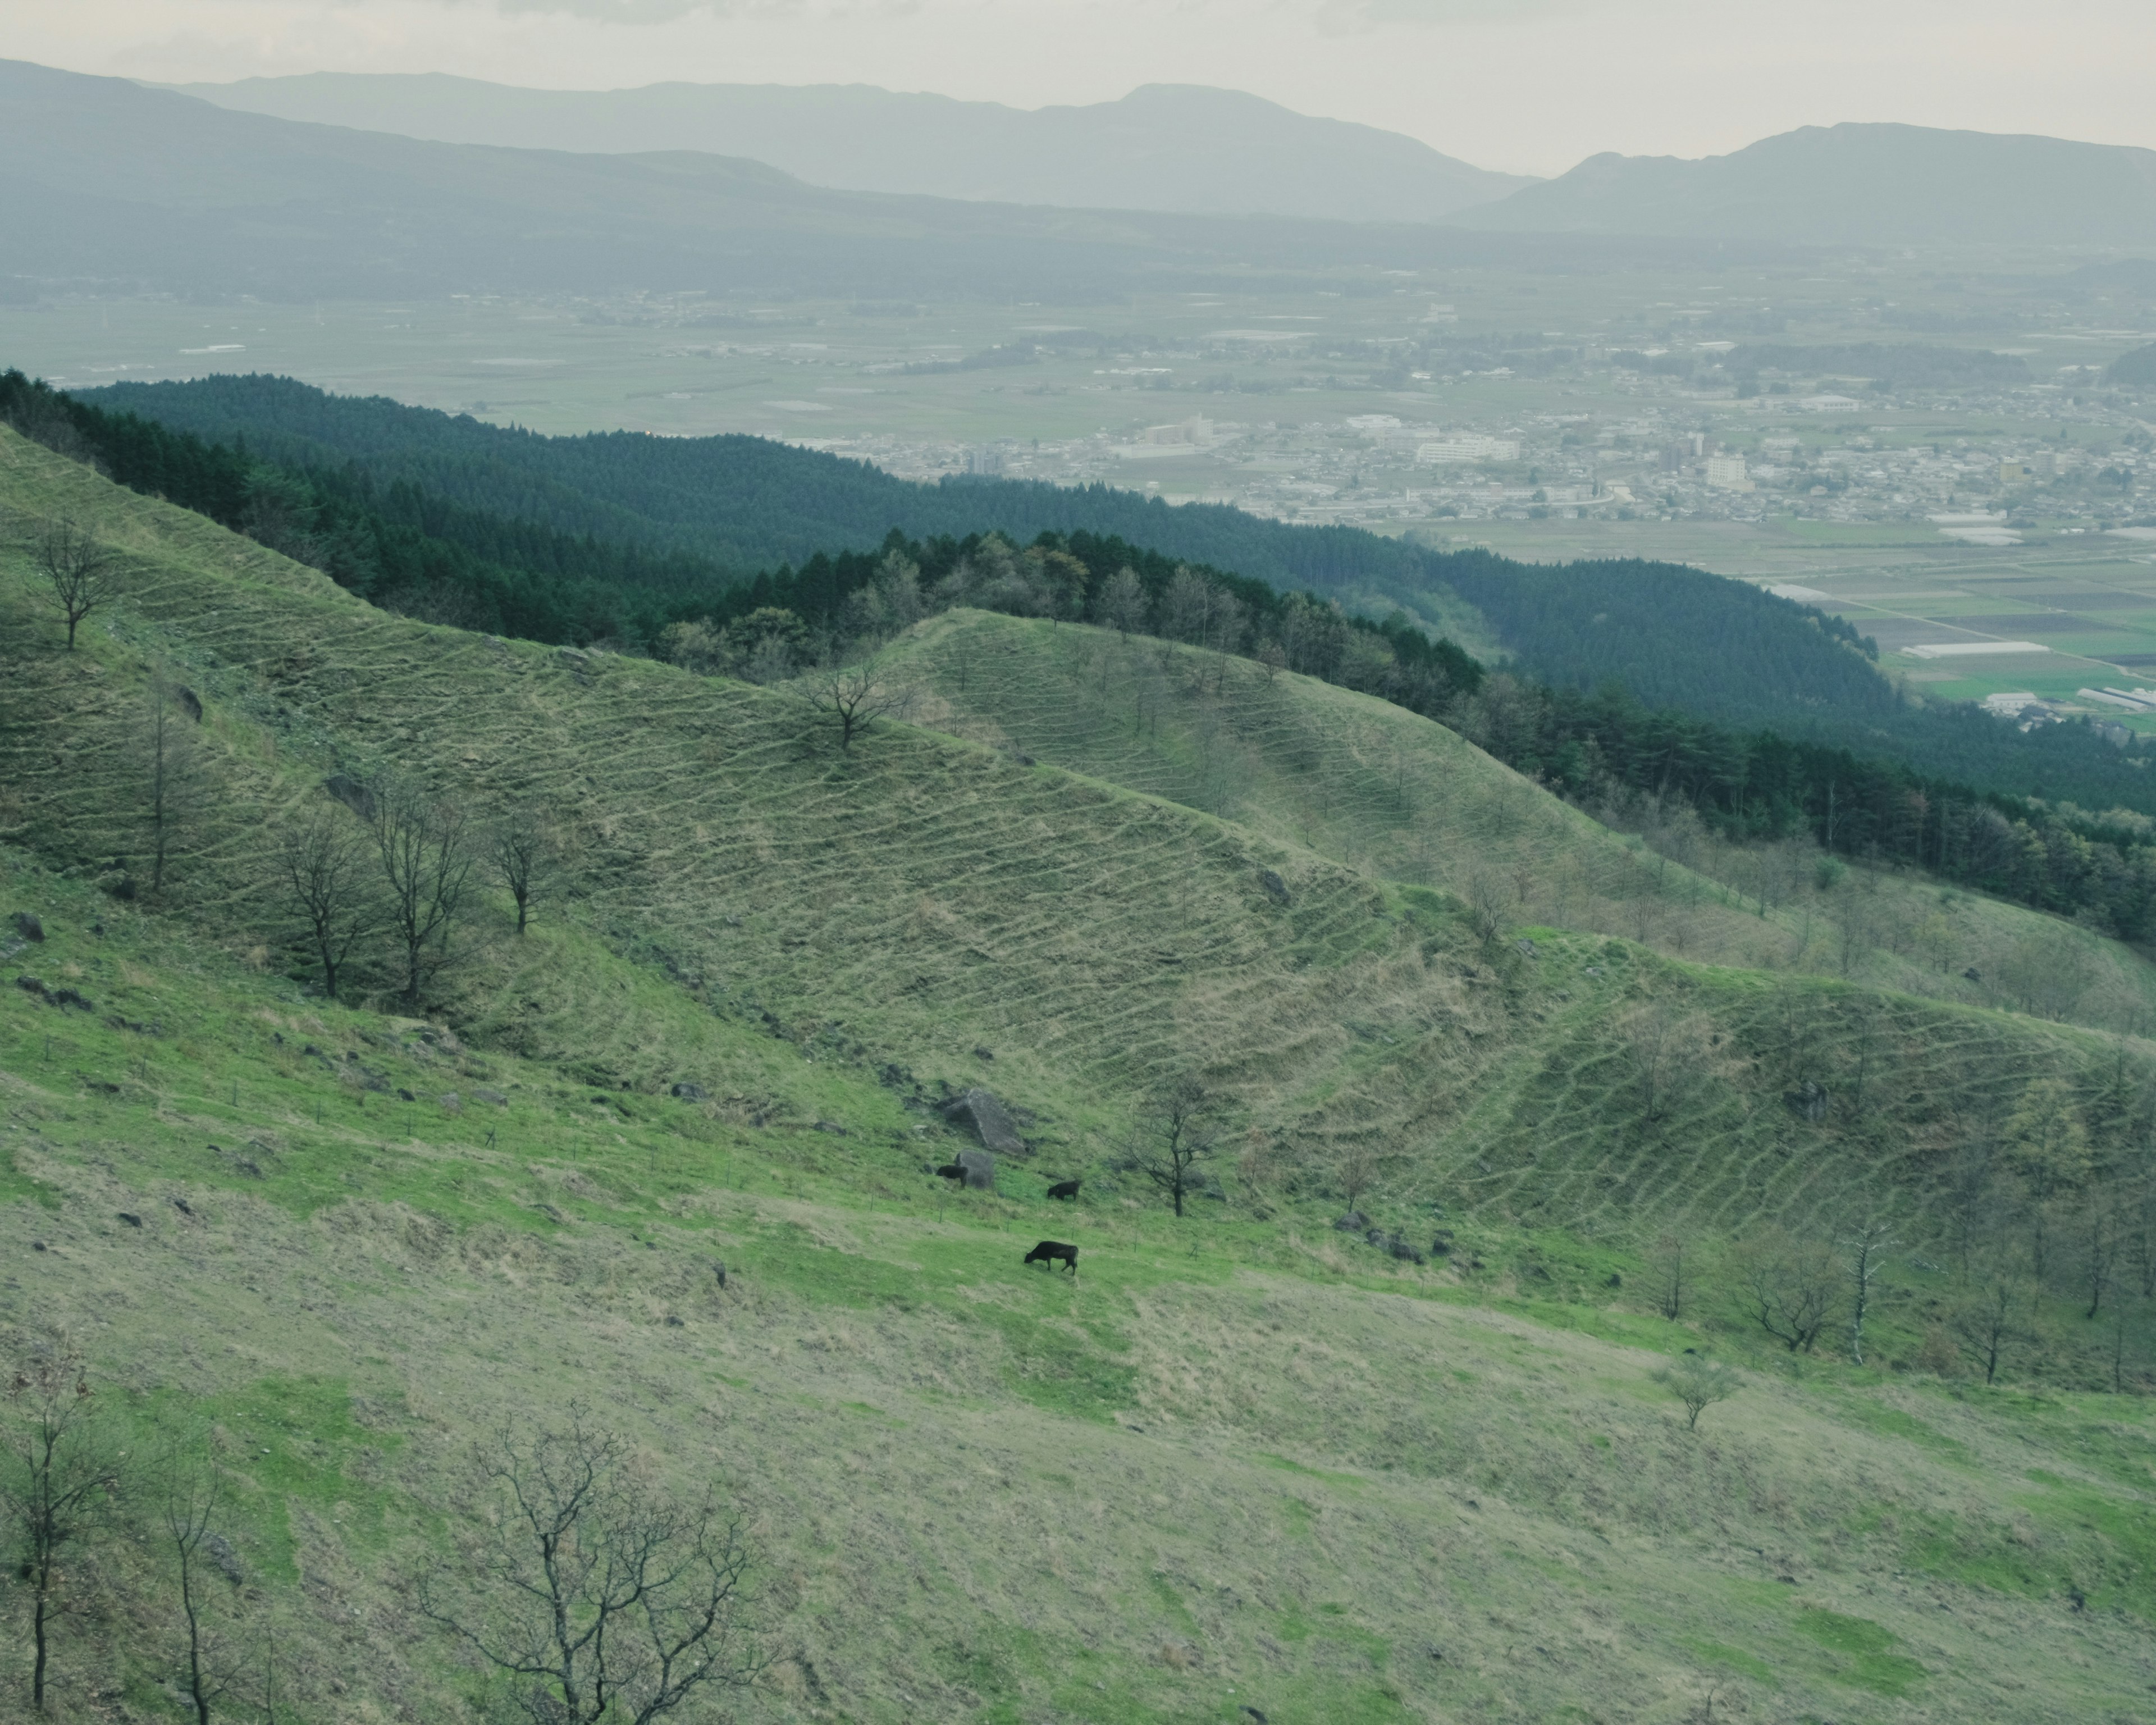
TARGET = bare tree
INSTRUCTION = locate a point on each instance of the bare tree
(1699, 1382)
(60, 1479)
(1355, 1169)
(427, 858)
(1864, 1249)
(193, 1501)
(1672, 1054)
(171, 784)
(856, 694)
(324, 867)
(1182, 1132)
(592, 1593)
(84, 573)
(1673, 1266)
(1188, 606)
(1787, 1287)
(523, 848)
(2101, 1245)
(1486, 906)
(2049, 1145)
(1986, 1320)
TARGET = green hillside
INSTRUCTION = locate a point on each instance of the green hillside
(1243, 1460)
(1368, 785)
(665, 522)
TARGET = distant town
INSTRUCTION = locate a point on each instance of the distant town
(1706, 444)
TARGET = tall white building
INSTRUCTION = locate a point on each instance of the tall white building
(1467, 450)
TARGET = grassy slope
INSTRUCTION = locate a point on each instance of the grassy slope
(1238, 1455)
(1356, 778)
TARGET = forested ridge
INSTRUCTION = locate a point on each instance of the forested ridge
(704, 510)
(372, 521)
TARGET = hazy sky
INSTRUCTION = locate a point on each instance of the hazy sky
(1531, 85)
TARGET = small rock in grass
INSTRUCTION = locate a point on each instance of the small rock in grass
(492, 1098)
(980, 1170)
(405, 1095)
(686, 1091)
(990, 1120)
(227, 1560)
(1276, 889)
(833, 1127)
(130, 1219)
(28, 925)
(349, 792)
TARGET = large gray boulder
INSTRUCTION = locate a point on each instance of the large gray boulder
(980, 1168)
(989, 1119)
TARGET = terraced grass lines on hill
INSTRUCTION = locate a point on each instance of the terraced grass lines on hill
(1318, 768)
(907, 903)
(1227, 1467)
(1244, 1461)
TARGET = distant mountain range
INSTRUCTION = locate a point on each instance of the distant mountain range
(1178, 147)
(1855, 185)
(110, 184)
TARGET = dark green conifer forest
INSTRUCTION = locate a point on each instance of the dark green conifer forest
(1622, 680)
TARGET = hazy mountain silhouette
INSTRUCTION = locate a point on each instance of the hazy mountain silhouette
(1855, 185)
(1165, 146)
(104, 181)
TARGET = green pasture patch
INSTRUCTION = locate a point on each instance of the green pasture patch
(1865, 1659)
(1736, 1659)
(1862, 1410)
(1330, 1476)
(1171, 1604)
(296, 1442)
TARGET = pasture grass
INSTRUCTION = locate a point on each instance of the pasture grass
(1240, 1460)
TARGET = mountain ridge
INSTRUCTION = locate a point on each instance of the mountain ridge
(1871, 184)
(109, 185)
(1183, 148)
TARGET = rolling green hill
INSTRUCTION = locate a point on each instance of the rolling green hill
(1674, 637)
(1361, 781)
(1244, 1459)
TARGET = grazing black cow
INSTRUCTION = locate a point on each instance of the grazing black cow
(1053, 1252)
(1064, 1188)
(952, 1171)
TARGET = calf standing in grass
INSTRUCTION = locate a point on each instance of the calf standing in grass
(1053, 1252)
(1064, 1188)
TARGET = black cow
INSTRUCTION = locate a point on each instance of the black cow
(952, 1171)
(1053, 1252)
(1064, 1188)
